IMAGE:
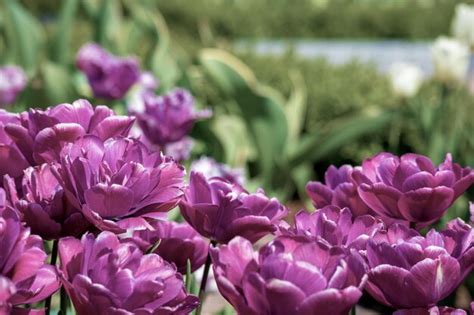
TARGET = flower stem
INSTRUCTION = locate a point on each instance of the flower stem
(64, 302)
(353, 310)
(205, 274)
(54, 258)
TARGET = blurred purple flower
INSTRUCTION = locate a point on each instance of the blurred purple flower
(220, 210)
(428, 268)
(287, 277)
(43, 206)
(41, 135)
(340, 190)
(168, 118)
(410, 187)
(335, 227)
(118, 182)
(178, 243)
(12, 81)
(103, 276)
(24, 276)
(12, 161)
(180, 150)
(211, 168)
(109, 76)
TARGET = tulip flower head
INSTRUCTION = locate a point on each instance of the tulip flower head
(109, 76)
(12, 81)
(104, 276)
(220, 210)
(287, 277)
(410, 187)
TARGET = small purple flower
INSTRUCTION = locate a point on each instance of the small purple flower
(220, 210)
(287, 277)
(177, 243)
(340, 190)
(12, 81)
(335, 227)
(410, 187)
(109, 76)
(428, 268)
(103, 276)
(43, 206)
(168, 118)
(211, 168)
(41, 135)
(118, 182)
(24, 276)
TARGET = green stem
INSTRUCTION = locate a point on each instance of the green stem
(353, 310)
(64, 302)
(54, 258)
(205, 274)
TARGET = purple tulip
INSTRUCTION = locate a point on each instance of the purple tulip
(287, 277)
(109, 76)
(410, 271)
(340, 190)
(41, 135)
(12, 81)
(43, 206)
(24, 276)
(12, 161)
(335, 227)
(103, 276)
(435, 310)
(410, 187)
(220, 210)
(118, 182)
(177, 243)
(168, 118)
(211, 168)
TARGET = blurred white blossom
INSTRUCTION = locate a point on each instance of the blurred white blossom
(463, 24)
(451, 59)
(405, 78)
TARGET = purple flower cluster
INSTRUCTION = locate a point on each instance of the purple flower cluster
(73, 176)
(12, 81)
(407, 188)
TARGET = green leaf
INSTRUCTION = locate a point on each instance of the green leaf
(260, 108)
(58, 85)
(62, 39)
(317, 146)
(25, 36)
(295, 108)
(108, 23)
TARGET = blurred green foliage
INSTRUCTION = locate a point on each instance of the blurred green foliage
(410, 19)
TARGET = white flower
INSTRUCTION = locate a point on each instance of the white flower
(463, 24)
(451, 59)
(405, 78)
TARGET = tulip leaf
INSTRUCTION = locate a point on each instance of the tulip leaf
(295, 108)
(62, 39)
(319, 145)
(58, 84)
(260, 108)
(24, 34)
